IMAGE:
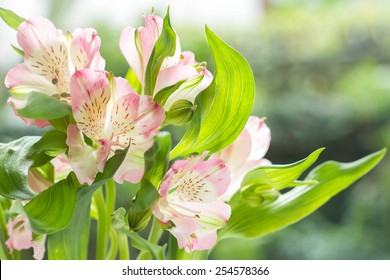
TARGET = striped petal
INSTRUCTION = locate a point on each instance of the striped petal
(84, 50)
(90, 92)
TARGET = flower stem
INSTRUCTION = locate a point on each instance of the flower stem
(102, 227)
(3, 234)
(124, 253)
(154, 237)
(112, 252)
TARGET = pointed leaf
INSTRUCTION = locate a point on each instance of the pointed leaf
(262, 185)
(157, 158)
(332, 177)
(17, 157)
(52, 209)
(224, 107)
(165, 46)
(10, 18)
(42, 106)
(72, 242)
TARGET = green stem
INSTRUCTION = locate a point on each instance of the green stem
(113, 245)
(154, 237)
(3, 233)
(110, 198)
(102, 228)
(124, 253)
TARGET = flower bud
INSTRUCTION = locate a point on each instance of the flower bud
(139, 220)
(180, 113)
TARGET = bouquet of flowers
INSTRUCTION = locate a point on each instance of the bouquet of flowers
(105, 130)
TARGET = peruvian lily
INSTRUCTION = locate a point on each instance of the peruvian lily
(190, 201)
(21, 237)
(109, 112)
(246, 152)
(50, 58)
(137, 46)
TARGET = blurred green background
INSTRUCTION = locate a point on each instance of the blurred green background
(322, 72)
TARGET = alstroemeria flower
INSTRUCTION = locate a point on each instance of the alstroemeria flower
(190, 201)
(21, 237)
(50, 58)
(246, 152)
(137, 46)
(113, 116)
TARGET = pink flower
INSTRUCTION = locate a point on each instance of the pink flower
(190, 202)
(137, 46)
(21, 237)
(246, 152)
(112, 116)
(50, 59)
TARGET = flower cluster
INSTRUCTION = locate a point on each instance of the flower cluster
(109, 114)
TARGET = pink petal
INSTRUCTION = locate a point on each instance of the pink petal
(120, 87)
(260, 135)
(90, 92)
(21, 80)
(84, 50)
(149, 35)
(39, 247)
(61, 167)
(150, 116)
(236, 155)
(170, 76)
(137, 53)
(20, 234)
(82, 157)
(187, 58)
(133, 166)
(36, 182)
(37, 33)
(129, 49)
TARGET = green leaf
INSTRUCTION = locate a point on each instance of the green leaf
(262, 184)
(331, 177)
(10, 18)
(165, 46)
(132, 78)
(162, 96)
(17, 157)
(52, 209)
(42, 106)
(156, 163)
(157, 158)
(17, 50)
(224, 107)
(120, 225)
(72, 242)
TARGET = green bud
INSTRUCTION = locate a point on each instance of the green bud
(180, 113)
(139, 220)
(259, 195)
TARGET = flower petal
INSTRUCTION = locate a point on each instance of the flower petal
(133, 167)
(20, 234)
(84, 50)
(82, 157)
(39, 247)
(261, 137)
(21, 81)
(90, 92)
(37, 33)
